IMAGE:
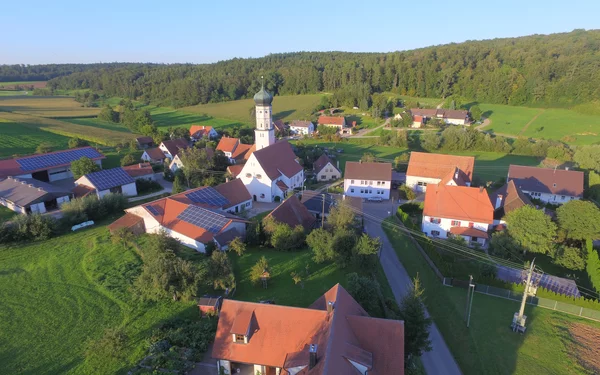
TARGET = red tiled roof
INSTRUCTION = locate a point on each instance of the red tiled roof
(80, 191)
(278, 158)
(417, 118)
(331, 120)
(235, 191)
(471, 232)
(199, 131)
(243, 151)
(280, 336)
(144, 140)
(422, 164)
(512, 198)
(279, 125)
(235, 169)
(545, 180)
(458, 202)
(140, 169)
(368, 171)
(227, 144)
(321, 162)
(126, 221)
(458, 176)
(282, 186)
(155, 153)
(176, 145)
(293, 213)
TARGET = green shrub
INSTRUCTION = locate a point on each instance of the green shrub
(593, 265)
(406, 193)
(145, 186)
(32, 227)
(91, 208)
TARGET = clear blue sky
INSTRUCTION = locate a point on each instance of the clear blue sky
(200, 31)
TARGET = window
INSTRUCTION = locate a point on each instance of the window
(471, 225)
(351, 181)
(247, 204)
(262, 195)
(352, 190)
(248, 175)
(434, 220)
(455, 223)
(362, 191)
(563, 197)
(323, 177)
(435, 233)
(421, 183)
(259, 176)
(554, 185)
(239, 339)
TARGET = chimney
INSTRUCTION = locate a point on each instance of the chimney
(226, 179)
(481, 189)
(330, 305)
(566, 168)
(140, 165)
(456, 174)
(312, 356)
(498, 201)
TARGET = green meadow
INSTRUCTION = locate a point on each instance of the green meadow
(17, 139)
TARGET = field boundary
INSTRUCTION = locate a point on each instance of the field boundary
(531, 121)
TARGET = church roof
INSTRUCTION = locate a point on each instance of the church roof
(263, 98)
(278, 159)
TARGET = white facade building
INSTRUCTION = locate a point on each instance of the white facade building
(431, 169)
(368, 180)
(555, 186)
(302, 127)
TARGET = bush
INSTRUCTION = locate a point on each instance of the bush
(412, 208)
(91, 208)
(77, 142)
(145, 186)
(32, 227)
(406, 193)
(128, 159)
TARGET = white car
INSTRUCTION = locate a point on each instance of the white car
(375, 199)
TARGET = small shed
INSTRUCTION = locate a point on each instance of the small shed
(209, 304)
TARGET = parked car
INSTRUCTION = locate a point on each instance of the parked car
(375, 199)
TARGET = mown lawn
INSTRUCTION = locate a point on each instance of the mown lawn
(566, 125)
(5, 214)
(286, 107)
(59, 293)
(508, 119)
(16, 139)
(489, 346)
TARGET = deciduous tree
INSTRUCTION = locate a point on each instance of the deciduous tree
(579, 219)
(83, 166)
(532, 229)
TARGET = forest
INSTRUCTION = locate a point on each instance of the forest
(541, 70)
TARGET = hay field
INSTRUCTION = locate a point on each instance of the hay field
(46, 106)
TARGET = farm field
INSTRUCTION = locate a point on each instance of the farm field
(12, 93)
(550, 346)
(287, 108)
(507, 119)
(59, 293)
(491, 166)
(17, 139)
(52, 106)
(166, 117)
(11, 85)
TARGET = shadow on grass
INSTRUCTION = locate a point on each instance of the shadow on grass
(283, 114)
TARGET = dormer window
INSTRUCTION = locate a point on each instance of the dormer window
(259, 176)
(240, 339)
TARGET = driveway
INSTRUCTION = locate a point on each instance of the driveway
(439, 360)
(260, 207)
(167, 185)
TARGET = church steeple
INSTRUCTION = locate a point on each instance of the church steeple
(264, 133)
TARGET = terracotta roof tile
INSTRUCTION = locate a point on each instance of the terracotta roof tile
(140, 169)
(422, 164)
(458, 202)
(199, 131)
(331, 120)
(227, 144)
(512, 198)
(279, 125)
(235, 191)
(278, 158)
(235, 169)
(368, 171)
(544, 180)
(126, 221)
(81, 191)
(293, 213)
(176, 145)
(471, 232)
(155, 153)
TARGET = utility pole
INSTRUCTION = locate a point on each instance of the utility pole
(466, 316)
(323, 214)
(472, 289)
(518, 324)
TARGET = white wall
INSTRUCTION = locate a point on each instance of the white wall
(259, 369)
(455, 121)
(189, 242)
(11, 206)
(244, 206)
(302, 130)
(329, 172)
(38, 208)
(56, 174)
(370, 188)
(445, 224)
(550, 198)
(129, 190)
(62, 200)
(413, 182)
(259, 187)
(225, 364)
(175, 164)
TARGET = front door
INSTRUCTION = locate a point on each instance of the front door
(254, 197)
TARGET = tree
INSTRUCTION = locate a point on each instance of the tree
(341, 216)
(195, 163)
(128, 159)
(579, 219)
(220, 271)
(504, 246)
(220, 162)
(368, 158)
(108, 114)
(178, 184)
(43, 148)
(77, 142)
(179, 132)
(319, 240)
(592, 267)
(83, 166)
(476, 113)
(367, 292)
(588, 157)
(238, 246)
(401, 162)
(407, 119)
(531, 228)
(431, 141)
(297, 277)
(416, 323)
(365, 251)
(570, 257)
(258, 269)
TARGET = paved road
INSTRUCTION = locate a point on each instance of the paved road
(439, 360)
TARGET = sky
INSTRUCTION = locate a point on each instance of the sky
(201, 31)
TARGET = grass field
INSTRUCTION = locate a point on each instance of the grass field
(491, 166)
(54, 107)
(12, 93)
(489, 346)
(287, 108)
(16, 139)
(11, 85)
(5, 214)
(166, 117)
(97, 123)
(57, 294)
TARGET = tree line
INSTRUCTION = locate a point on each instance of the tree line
(557, 69)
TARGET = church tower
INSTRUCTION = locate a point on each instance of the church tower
(265, 132)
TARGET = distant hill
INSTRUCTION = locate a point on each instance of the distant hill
(541, 70)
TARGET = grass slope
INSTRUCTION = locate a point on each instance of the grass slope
(566, 125)
(287, 108)
(51, 106)
(57, 294)
(489, 346)
(16, 139)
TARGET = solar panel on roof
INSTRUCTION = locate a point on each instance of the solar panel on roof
(202, 218)
(109, 178)
(153, 210)
(57, 158)
(208, 195)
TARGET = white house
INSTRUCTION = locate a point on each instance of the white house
(448, 116)
(426, 169)
(195, 217)
(272, 170)
(27, 195)
(368, 180)
(171, 147)
(140, 171)
(236, 151)
(556, 186)
(153, 155)
(457, 211)
(302, 127)
(198, 132)
(115, 180)
(324, 169)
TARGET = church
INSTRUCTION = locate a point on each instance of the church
(272, 169)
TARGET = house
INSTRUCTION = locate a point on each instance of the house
(368, 180)
(334, 335)
(506, 199)
(140, 171)
(325, 170)
(176, 163)
(299, 127)
(209, 304)
(195, 217)
(280, 127)
(457, 211)
(425, 169)
(293, 213)
(318, 204)
(198, 132)
(144, 142)
(171, 147)
(49, 167)
(332, 121)
(234, 170)
(223, 239)
(448, 116)
(556, 186)
(417, 121)
(28, 195)
(237, 152)
(153, 155)
(106, 181)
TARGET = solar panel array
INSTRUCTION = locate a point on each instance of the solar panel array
(203, 218)
(208, 195)
(109, 178)
(153, 210)
(56, 158)
(553, 283)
